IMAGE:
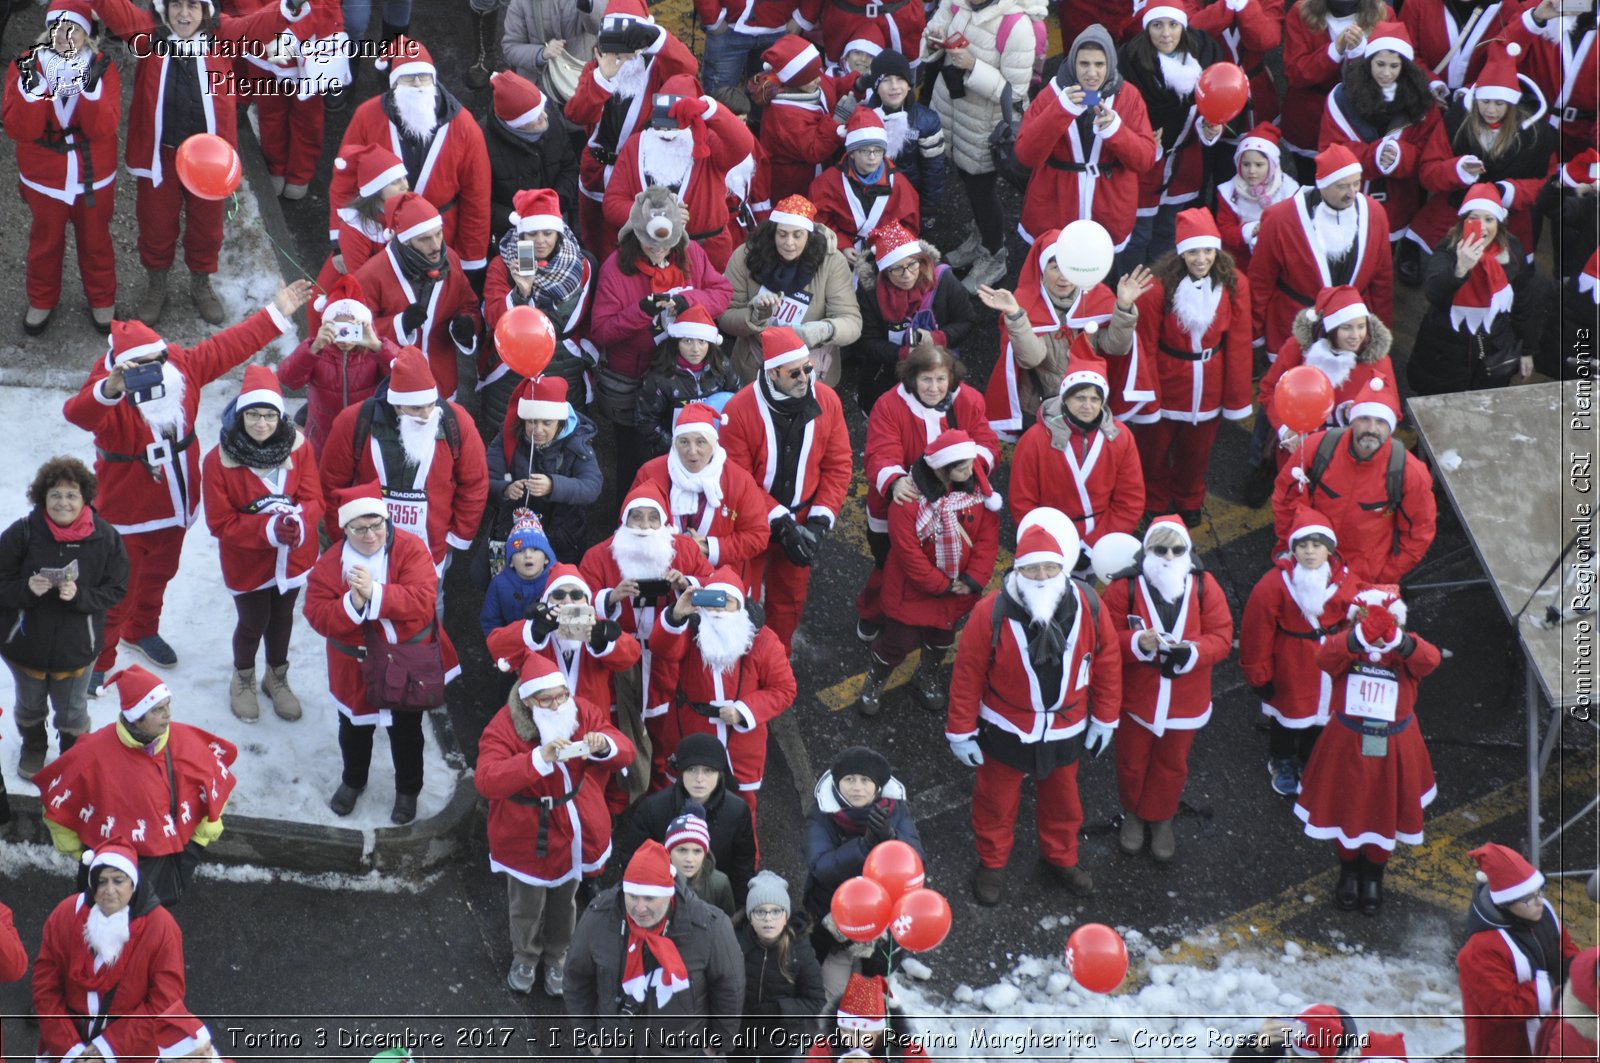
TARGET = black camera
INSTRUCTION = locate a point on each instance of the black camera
(144, 381)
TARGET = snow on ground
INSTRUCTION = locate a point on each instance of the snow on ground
(286, 770)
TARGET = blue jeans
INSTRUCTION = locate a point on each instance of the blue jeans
(1153, 236)
(731, 57)
(357, 13)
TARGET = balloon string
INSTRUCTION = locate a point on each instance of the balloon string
(235, 204)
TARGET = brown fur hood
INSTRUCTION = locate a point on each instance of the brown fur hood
(1379, 338)
(867, 265)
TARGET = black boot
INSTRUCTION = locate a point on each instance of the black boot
(66, 741)
(1347, 893)
(1371, 887)
(5, 802)
(871, 698)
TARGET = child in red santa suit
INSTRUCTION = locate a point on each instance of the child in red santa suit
(798, 129)
(1258, 182)
(865, 190)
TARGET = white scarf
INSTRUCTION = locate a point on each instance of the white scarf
(723, 638)
(642, 554)
(1310, 588)
(1194, 304)
(1337, 365)
(688, 486)
(1181, 72)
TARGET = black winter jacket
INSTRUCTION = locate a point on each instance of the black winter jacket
(878, 351)
(515, 164)
(45, 633)
(833, 853)
(733, 837)
(1445, 360)
(778, 1010)
(663, 394)
(575, 477)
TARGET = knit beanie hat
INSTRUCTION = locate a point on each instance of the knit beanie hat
(689, 827)
(767, 887)
(700, 750)
(859, 760)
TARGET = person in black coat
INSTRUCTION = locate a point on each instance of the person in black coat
(701, 764)
(783, 991)
(917, 299)
(526, 151)
(548, 466)
(689, 367)
(61, 569)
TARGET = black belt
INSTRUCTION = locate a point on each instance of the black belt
(1093, 169)
(697, 237)
(1187, 356)
(700, 708)
(1257, 70)
(870, 10)
(547, 802)
(360, 652)
(1303, 300)
(1313, 635)
(153, 455)
(1376, 730)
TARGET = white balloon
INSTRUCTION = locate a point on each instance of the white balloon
(1113, 553)
(1084, 252)
(1057, 524)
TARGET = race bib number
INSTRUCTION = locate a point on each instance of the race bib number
(408, 511)
(791, 308)
(1371, 693)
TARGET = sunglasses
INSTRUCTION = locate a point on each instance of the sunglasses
(1169, 551)
(801, 373)
(563, 596)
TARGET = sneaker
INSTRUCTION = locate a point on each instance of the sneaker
(155, 650)
(37, 319)
(866, 630)
(1285, 781)
(520, 977)
(555, 978)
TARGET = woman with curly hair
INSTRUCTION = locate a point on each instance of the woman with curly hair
(1319, 36)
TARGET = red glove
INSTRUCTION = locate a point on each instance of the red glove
(287, 529)
(1377, 625)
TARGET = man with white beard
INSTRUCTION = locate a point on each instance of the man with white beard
(440, 144)
(1037, 682)
(1174, 625)
(146, 459)
(426, 454)
(733, 676)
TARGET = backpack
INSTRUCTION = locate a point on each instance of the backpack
(363, 427)
(1041, 43)
(1394, 479)
(999, 607)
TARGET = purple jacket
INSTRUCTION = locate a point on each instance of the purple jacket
(623, 331)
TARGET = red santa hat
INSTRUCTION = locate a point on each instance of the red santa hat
(131, 340)
(1582, 977)
(1263, 138)
(1197, 230)
(1498, 81)
(536, 210)
(1509, 876)
(866, 37)
(565, 575)
(344, 299)
(1484, 197)
(865, 130)
(1176, 10)
(1334, 164)
(138, 690)
(952, 446)
(1308, 522)
(793, 61)
(1384, 1048)
(362, 500)
(538, 673)
(1084, 364)
(546, 402)
(695, 323)
(795, 211)
(726, 579)
(1037, 546)
(646, 494)
(517, 100)
(781, 345)
(1384, 597)
(1583, 169)
(1589, 279)
(260, 388)
(79, 12)
(697, 417)
(405, 56)
(1337, 306)
(864, 1006)
(409, 215)
(411, 380)
(650, 872)
(1171, 522)
(1322, 1031)
(893, 244)
(375, 166)
(117, 854)
(1378, 400)
(1390, 37)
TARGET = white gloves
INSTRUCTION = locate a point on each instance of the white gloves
(813, 333)
(967, 752)
(1099, 737)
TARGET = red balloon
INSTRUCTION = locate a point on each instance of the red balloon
(1303, 399)
(896, 867)
(208, 166)
(1221, 93)
(921, 920)
(1096, 957)
(861, 908)
(525, 339)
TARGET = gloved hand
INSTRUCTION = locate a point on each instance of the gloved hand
(878, 827)
(414, 316)
(543, 619)
(287, 529)
(833, 928)
(966, 751)
(797, 546)
(1377, 625)
(1265, 691)
(679, 304)
(1175, 657)
(845, 107)
(1098, 740)
(603, 634)
(652, 304)
(819, 527)
(96, 71)
(464, 333)
(929, 221)
(813, 333)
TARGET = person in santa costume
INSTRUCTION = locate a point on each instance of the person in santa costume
(342, 363)
(1038, 682)
(1247, 31)
(124, 780)
(737, 35)
(113, 942)
(1319, 37)
(1369, 777)
(1558, 52)
(908, 299)
(798, 129)
(376, 586)
(1340, 336)
(147, 463)
(1173, 620)
(633, 58)
(1086, 161)
(1455, 40)
(543, 460)
(522, 158)
(379, 177)
(183, 85)
(734, 678)
(1487, 305)
(863, 191)
(787, 429)
(440, 146)
(1580, 301)
(864, 1025)
(687, 148)
(1572, 1031)
(1381, 537)
(417, 292)
(423, 452)
(1196, 324)
(1295, 607)
(841, 21)
(1322, 1032)
(929, 399)
(263, 504)
(547, 830)
(63, 106)
(1514, 963)
(1258, 182)
(1040, 324)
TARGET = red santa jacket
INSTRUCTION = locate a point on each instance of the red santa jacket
(389, 292)
(994, 681)
(825, 454)
(587, 671)
(899, 431)
(140, 28)
(1097, 481)
(404, 600)
(704, 191)
(1278, 644)
(838, 207)
(1434, 31)
(132, 496)
(242, 505)
(1399, 185)
(1078, 175)
(1562, 1038)
(1158, 693)
(823, 1052)
(736, 531)
(1566, 71)
(454, 178)
(110, 786)
(1379, 546)
(13, 955)
(1198, 378)
(754, 16)
(1521, 174)
(916, 592)
(148, 1014)
(666, 58)
(84, 124)
(358, 239)
(761, 687)
(801, 137)
(497, 289)
(539, 845)
(1312, 68)
(1289, 266)
(1248, 31)
(842, 21)
(1505, 993)
(1349, 374)
(1336, 656)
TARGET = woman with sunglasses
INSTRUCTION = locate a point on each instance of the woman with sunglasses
(1174, 625)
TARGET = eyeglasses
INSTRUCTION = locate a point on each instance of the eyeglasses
(1169, 551)
(564, 596)
(550, 700)
(261, 415)
(768, 911)
(801, 373)
(364, 529)
(911, 265)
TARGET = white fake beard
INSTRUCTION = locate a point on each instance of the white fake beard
(1194, 304)
(632, 78)
(419, 437)
(642, 554)
(417, 108)
(560, 722)
(1311, 590)
(106, 934)
(666, 156)
(1042, 596)
(898, 127)
(1166, 575)
(723, 638)
(1180, 71)
(166, 414)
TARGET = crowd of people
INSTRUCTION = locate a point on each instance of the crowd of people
(722, 245)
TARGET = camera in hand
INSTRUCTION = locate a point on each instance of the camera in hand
(654, 588)
(708, 599)
(1091, 99)
(346, 332)
(144, 381)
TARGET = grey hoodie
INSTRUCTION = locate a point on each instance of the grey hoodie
(1097, 35)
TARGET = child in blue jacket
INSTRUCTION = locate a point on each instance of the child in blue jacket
(520, 584)
(916, 139)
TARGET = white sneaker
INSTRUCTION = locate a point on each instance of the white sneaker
(555, 977)
(520, 977)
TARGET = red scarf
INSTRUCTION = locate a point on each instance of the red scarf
(666, 973)
(75, 532)
(662, 278)
(1483, 295)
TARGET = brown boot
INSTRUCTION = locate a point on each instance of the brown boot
(154, 299)
(206, 303)
(242, 696)
(1131, 838)
(1163, 843)
(275, 685)
(35, 746)
(1074, 878)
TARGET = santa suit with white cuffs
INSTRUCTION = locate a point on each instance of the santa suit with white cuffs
(1565, 63)
(901, 23)
(1166, 692)
(356, 237)
(820, 472)
(837, 190)
(150, 487)
(1434, 29)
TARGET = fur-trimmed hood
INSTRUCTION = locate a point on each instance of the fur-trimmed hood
(1379, 338)
(867, 265)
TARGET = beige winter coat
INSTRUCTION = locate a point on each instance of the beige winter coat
(969, 120)
(1047, 354)
(833, 300)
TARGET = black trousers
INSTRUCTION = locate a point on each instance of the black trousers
(1285, 742)
(984, 194)
(405, 750)
(266, 613)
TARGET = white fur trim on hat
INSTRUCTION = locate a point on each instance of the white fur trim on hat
(393, 173)
(732, 590)
(532, 115)
(872, 48)
(1313, 529)
(899, 254)
(1344, 316)
(705, 428)
(260, 397)
(1496, 92)
(420, 229)
(797, 221)
(118, 861)
(144, 350)
(414, 398)
(549, 681)
(539, 223)
(567, 581)
(1199, 243)
(1490, 207)
(537, 410)
(1381, 410)
(652, 503)
(1261, 144)
(1072, 380)
(411, 66)
(153, 697)
(848, 1021)
(346, 307)
(639, 889)
(694, 330)
(938, 459)
(1517, 892)
(1390, 44)
(362, 507)
(83, 24)
(1351, 170)
(1176, 14)
(808, 54)
(1039, 557)
(866, 137)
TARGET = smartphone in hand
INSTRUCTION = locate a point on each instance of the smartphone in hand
(1471, 229)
